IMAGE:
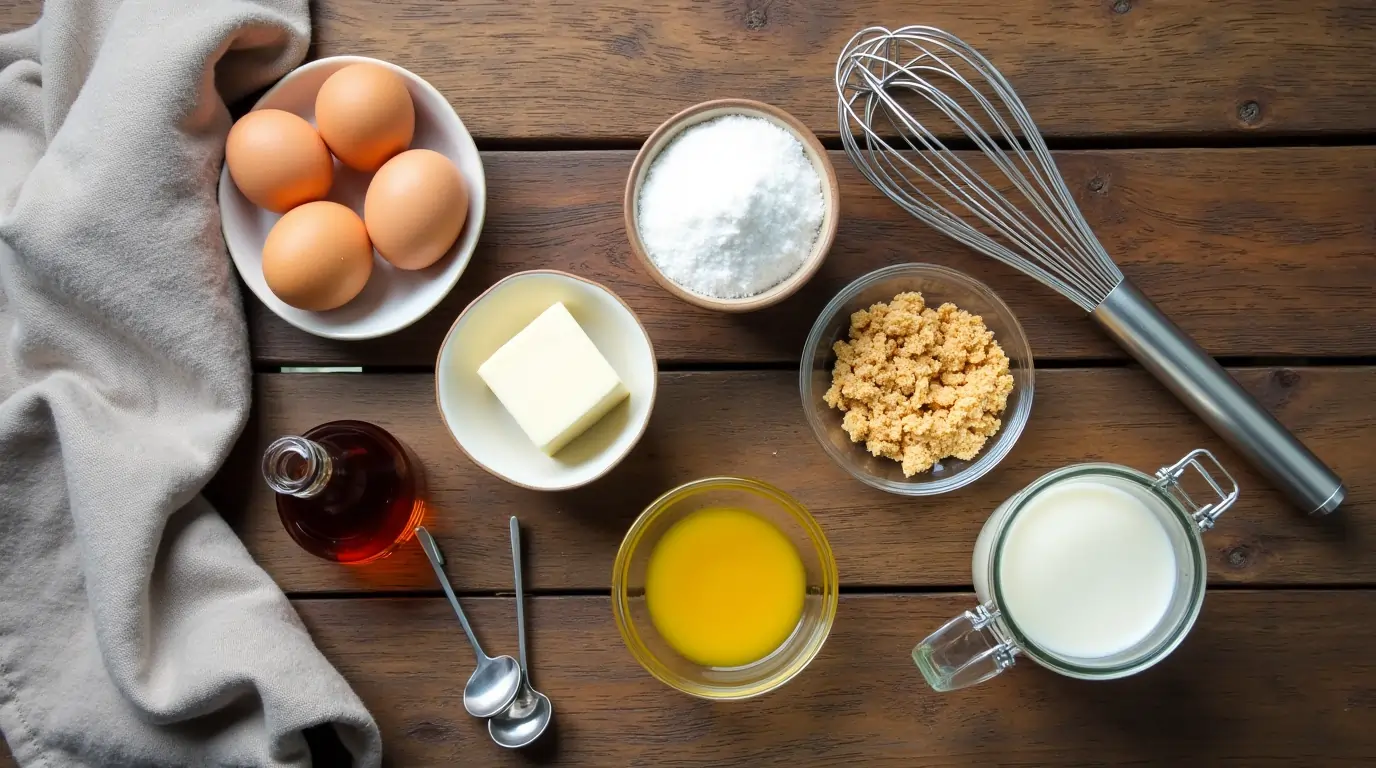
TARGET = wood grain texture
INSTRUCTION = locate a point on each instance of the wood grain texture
(1271, 678)
(1253, 252)
(617, 68)
(553, 70)
(751, 424)
(17, 14)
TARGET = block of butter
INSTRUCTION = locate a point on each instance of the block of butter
(552, 379)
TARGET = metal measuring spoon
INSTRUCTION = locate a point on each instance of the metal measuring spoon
(493, 685)
(529, 715)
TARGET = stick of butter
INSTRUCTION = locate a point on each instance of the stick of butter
(552, 379)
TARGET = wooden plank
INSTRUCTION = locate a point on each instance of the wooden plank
(751, 424)
(1266, 678)
(1254, 252)
(17, 14)
(552, 69)
(616, 69)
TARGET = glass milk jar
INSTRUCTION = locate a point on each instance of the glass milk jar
(1095, 571)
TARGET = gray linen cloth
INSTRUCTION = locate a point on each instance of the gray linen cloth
(134, 627)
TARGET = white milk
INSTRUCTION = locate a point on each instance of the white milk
(1087, 570)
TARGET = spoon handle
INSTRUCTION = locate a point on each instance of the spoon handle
(520, 593)
(432, 553)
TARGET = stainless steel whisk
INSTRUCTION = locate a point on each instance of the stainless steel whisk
(1030, 221)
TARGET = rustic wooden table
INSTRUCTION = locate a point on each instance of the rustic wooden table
(1223, 151)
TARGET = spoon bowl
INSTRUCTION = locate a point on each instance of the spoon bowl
(492, 687)
(524, 722)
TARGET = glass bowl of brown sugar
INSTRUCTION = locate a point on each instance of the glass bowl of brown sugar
(908, 413)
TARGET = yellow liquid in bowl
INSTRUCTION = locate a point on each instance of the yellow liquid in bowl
(725, 587)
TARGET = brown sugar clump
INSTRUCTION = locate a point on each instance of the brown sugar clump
(917, 384)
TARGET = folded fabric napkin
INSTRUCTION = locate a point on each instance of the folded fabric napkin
(134, 627)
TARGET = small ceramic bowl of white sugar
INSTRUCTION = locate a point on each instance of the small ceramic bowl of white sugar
(732, 205)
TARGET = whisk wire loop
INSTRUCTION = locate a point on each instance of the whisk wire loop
(1042, 234)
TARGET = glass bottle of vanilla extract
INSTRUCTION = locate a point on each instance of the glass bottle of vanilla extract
(347, 491)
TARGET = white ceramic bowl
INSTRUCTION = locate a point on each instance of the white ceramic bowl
(481, 425)
(394, 298)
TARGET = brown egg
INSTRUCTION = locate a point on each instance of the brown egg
(317, 256)
(278, 160)
(415, 208)
(365, 115)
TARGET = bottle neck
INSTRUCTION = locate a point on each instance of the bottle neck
(297, 467)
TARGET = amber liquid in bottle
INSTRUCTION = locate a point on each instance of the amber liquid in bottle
(346, 490)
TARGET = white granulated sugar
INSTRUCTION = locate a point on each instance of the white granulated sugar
(731, 207)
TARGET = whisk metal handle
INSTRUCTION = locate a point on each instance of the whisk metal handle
(1202, 385)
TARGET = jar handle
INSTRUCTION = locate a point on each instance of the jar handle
(968, 650)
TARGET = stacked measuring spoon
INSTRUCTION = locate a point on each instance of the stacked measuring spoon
(499, 688)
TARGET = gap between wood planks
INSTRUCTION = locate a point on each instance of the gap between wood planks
(864, 590)
(693, 367)
(1055, 144)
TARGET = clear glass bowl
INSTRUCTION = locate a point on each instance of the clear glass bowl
(720, 683)
(937, 286)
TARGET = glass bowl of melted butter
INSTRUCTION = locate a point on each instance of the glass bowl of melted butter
(724, 588)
